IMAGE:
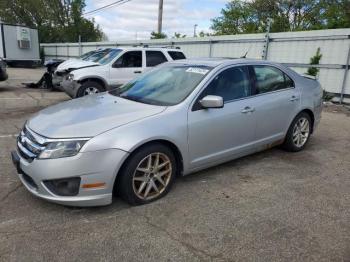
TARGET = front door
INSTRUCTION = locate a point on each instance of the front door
(217, 135)
(126, 67)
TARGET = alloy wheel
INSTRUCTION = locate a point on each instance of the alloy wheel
(90, 91)
(301, 132)
(152, 176)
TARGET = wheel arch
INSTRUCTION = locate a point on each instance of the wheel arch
(312, 117)
(95, 79)
(168, 143)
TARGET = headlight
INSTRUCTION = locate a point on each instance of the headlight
(61, 149)
(70, 77)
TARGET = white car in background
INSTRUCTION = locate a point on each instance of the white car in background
(65, 67)
(117, 67)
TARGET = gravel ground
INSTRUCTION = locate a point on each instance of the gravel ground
(271, 206)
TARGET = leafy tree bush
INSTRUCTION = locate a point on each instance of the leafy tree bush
(315, 60)
(240, 16)
(155, 35)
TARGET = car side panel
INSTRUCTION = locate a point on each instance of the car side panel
(274, 113)
(311, 98)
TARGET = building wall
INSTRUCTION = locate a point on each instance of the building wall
(13, 52)
(291, 48)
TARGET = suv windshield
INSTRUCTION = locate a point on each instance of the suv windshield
(108, 57)
(97, 55)
(86, 55)
(167, 85)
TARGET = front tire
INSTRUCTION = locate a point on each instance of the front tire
(89, 88)
(147, 175)
(298, 133)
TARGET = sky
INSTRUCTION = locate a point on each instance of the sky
(138, 18)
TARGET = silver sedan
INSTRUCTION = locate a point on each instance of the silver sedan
(177, 119)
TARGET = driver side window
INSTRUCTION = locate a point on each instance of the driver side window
(130, 59)
(230, 84)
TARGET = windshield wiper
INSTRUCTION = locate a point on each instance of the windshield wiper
(115, 92)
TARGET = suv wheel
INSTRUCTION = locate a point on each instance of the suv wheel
(89, 88)
(148, 175)
(298, 133)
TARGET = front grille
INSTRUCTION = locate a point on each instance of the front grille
(27, 145)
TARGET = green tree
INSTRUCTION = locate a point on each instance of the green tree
(203, 34)
(155, 35)
(56, 20)
(315, 60)
(251, 16)
(179, 35)
(237, 17)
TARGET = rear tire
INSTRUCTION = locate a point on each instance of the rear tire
(147, 175)
(89, 88)
(298, 134)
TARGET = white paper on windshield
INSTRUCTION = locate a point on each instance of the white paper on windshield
(197, 70)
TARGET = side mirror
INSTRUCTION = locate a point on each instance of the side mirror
(212, 102)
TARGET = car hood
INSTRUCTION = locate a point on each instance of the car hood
(75, 64)
(89, 116)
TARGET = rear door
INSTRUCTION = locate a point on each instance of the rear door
(276, 101)
(216, 135)
(126, 67)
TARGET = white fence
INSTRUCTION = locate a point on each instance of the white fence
(291, 48)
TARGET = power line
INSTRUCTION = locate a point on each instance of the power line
(120, 2)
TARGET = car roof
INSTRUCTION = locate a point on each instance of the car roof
(220, 61)
(148, 48)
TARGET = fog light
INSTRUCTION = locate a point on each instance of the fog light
(64, 187)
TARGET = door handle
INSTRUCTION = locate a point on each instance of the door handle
(247, 109)
(137, 72)
(294, 98)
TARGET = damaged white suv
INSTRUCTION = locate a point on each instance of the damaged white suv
(117, 67)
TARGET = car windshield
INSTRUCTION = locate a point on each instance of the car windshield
(97, 55)
(109, 56)
(86, 55)
(166, 85)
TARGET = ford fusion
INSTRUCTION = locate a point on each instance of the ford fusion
(179, 118)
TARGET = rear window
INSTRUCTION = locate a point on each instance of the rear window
(175, 55)
(154, 58)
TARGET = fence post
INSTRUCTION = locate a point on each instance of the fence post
(210, 48)
(267, 40)
(345, 77)
(56, 50)
(80, 47)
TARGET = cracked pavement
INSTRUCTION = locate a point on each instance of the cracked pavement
(271, 206)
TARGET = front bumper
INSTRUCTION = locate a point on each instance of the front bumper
(70, 87)
(92, 167)
(57, 81)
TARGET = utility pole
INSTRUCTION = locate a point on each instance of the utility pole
(160, 16)
(195, 30)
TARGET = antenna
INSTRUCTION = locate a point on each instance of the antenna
(246, 53)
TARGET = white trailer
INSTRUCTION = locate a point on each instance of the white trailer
(19, 45)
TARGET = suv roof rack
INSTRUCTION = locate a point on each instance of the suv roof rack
(154, 46)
